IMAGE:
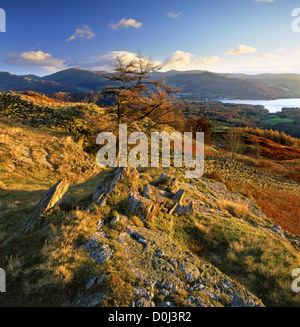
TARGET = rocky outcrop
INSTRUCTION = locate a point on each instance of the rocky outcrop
(91, 300)
(106, 185)
(97, 248)
(12, 106)
(51, 198)
(155, 258)
(143, 207)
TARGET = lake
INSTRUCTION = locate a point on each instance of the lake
(271, 105)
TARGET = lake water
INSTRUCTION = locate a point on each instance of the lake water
(271, 105)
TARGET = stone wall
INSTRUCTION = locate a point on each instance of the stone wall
(12, 106)
(236, 172)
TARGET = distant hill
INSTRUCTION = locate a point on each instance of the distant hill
(80, 79)
(194, 84)
(206, 84)
(286, 84)
(23, 83)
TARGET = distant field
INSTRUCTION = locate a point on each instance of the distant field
(278, 120)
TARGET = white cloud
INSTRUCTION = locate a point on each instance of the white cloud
(265, 56)
(178, 59)
(297, 52)
(36, 58)
(83, 32)
(107, 62)
(282, 50)
(52, 69)
(130, 22)
(268, 55)
(264, 0)
(240, 49)
(173, 15)
(35, 55)
(207, 61)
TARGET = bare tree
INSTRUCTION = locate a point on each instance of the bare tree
(138, 97)
(233, 142)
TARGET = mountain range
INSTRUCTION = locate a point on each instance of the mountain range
(194, 84)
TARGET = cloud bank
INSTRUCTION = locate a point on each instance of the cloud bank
(36, 58)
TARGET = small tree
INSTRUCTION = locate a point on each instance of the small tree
(233, 142)
(138, 97)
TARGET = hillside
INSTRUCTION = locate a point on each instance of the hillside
(73, 234)
(79, 79)
(286, 84)
(140, 239)
(216, 86)
(193, 84)
(23, 83)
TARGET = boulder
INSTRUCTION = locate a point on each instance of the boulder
(51, 198)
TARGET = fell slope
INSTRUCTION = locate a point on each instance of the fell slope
(129, 238)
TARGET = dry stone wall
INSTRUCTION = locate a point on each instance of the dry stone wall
(236, 172)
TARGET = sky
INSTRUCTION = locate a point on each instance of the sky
(225, 36)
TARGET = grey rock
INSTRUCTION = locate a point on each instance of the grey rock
(104, 188)
(165, 292)
(51, 198)
(278, 230)
(102, 253)
(91, 300)
(97, 250)
(143, 303)
(196, 302)
(100, 279)
(162, 178)
(90, 283)
(178, 197)
(166, 304)
(142, 292)
(115, 220)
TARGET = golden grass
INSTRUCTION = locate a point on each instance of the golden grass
(238, 209)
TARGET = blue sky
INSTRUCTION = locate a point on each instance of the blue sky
(250, 36)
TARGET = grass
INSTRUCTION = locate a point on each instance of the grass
(256, 259)
(277, 120)
(48, 267)
(32, 159)
(238, 209)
